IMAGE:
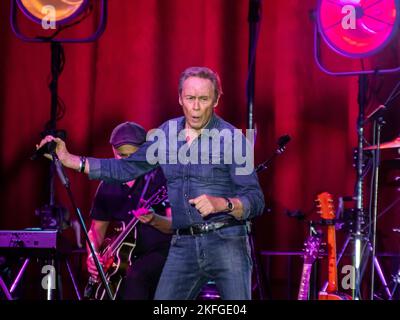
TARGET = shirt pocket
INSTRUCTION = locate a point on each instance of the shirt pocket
(211, 168)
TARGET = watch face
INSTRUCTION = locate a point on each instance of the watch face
(230, 205)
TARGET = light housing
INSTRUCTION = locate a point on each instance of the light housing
(376, 23)
(65, 10)
(64, 13)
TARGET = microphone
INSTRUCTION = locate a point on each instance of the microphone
(46, 148)
(282, 142)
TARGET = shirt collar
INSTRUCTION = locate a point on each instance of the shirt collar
(212, 124)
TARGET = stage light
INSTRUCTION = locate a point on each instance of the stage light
(55, 16)
(64, 10)
(357, 28)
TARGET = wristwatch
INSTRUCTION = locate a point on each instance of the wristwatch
(229, 205)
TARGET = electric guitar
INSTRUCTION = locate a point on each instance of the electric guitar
(116, 254)
(325, 203)
(311, 252)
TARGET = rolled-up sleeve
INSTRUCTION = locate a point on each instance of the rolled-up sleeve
(94, 168)
(249, 192)
(247, 186)
(121, 170)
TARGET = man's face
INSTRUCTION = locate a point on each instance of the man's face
(198, 101)
(124, 151)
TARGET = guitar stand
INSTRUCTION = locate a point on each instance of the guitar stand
(376, 264)
(389, 294)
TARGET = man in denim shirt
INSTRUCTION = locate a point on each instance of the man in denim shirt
(213, 191)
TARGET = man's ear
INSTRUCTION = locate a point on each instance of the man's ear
(216, 102)
(180, 100)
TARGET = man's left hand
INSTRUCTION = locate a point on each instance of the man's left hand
(144, 215)
(207, 204)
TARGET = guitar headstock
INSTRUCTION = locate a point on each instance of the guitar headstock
(325, 203)
(312, 249)
(158, 197)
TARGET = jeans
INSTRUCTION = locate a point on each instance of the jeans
(222, 256)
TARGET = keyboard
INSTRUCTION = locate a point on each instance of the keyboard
(29, 239)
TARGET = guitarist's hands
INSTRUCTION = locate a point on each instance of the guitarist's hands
(91, 266)
(144, 215)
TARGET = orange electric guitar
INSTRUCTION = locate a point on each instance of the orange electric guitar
(325, 203)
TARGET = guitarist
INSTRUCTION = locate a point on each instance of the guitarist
(117, 202)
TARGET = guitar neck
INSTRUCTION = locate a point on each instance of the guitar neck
(305, 282)
(156, 198)
(332, 269)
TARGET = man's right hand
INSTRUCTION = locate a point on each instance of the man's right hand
(96, 235)
(91, 266)
(67, 159)
(61, 149)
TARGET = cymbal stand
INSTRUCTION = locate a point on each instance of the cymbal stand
(378, 122)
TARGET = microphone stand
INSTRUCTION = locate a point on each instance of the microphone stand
(254, 17)
(64, 180)
(283, 140)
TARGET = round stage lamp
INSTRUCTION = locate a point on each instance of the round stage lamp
(65, 10)
(357, 28)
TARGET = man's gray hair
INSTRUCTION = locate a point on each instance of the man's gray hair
(204, 73)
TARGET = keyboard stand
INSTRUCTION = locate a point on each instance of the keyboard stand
(5, 289)
(50, 262)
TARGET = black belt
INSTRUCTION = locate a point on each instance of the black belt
(208, 227)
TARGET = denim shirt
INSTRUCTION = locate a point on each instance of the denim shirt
(191, 178)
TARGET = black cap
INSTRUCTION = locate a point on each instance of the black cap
(128, 133)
